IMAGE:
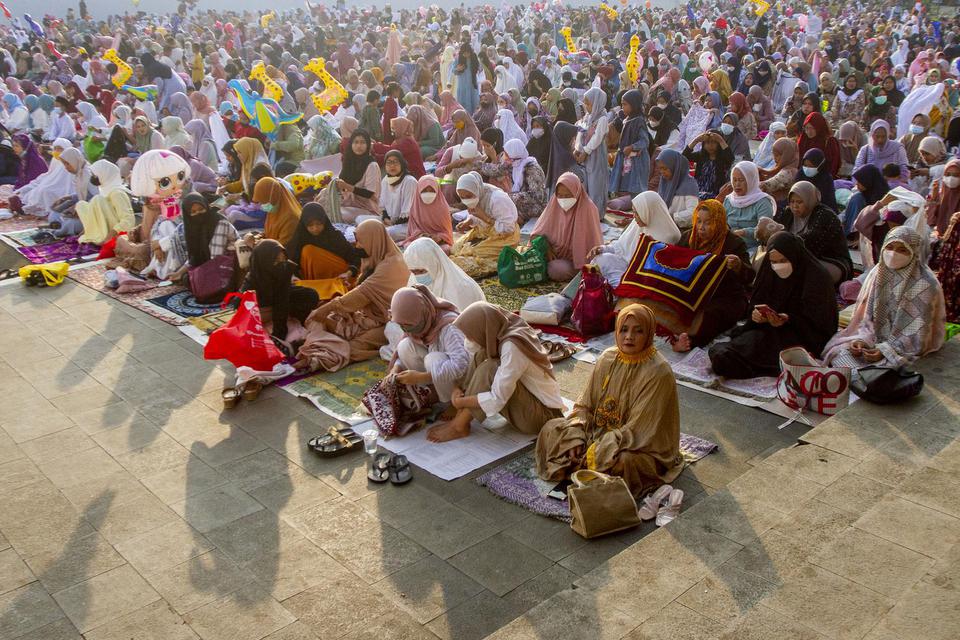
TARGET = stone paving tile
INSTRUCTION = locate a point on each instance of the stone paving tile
(68, 442)
(687, 548)
(761, 623)
(448, 531)
(183, 481)
(738, 520)
(428, 588)
(394, 625)
(853, 493)
(80, 560)
(161, 454)
(773, 556)
(199, 581)
(216, 507)
(105, 597)
(473, 619)
(131, 519)
(8, 448)
(294, 569)
(376, 554)
(912, 526)
(26, 609)
(338, 607)
(811, 463)
(294, 492)
(155, 621)
(773, 487)
(14, 573)
(134, 433)
(257, 469)
(62, 629)
(32, 501)
(97, 495)
(248, 614)
(536, 590)
(243, 539)
(81, 467)
(934, 489)
(816, 523)
(164, 547)
(927, 611)
(500, 563)
(328, 520)
(726, 594)
(897, 459)
(16, 474)
(552, 538)
(295, 631)
(676, 622)
(589, 556)
(49, 531)
(566, 615)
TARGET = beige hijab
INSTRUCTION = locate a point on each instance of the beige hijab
(489, 326)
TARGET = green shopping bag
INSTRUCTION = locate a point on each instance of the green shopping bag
(520, 269)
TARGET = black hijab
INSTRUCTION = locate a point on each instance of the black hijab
(561, 158)
(539, 148)
(272, 282)
(330, 239)
(875, 185)
(155, 69)
(494, 137)
(198, 229)
(566, 111)
(634, 125)
(355, 166)
(823, 181)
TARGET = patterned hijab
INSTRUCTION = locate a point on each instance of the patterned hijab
(711, 210)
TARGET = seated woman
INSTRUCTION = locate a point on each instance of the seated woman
(243, 155)
(793, 304)
(869, 187)
(947, 264)
(746, 203)
(455, 162)
(930, 166)
(432, 351)
(271, 276)
(350, 328)
(944, 198)
(677, 188)
(426, 129)
(62, 215)
(822, 234)
(509, 374)
(777, 180)
(321, 139)
(109, 212)
(818, 136)
(10, 166)
(881, 150)
(432, 267)
(37, 196)
(396, 195)
(429, 215)
(899, 315)
(813, 169)
(728, 304)
(738, 143)
(490, 226)
(359, 181)
(203, 234)
(627, 420)
(523, 178)
(650, 217)
(401, 130)
(319, 249)
(764, 158)
(202, 178)
(713, 162)
(281, 207)
(762, 108)
(571, 225)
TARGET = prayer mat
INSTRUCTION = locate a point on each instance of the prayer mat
(184, 304)
(92, 277)
(20, 223)
(513, 299)
(682, 278)
(338, 393)
(517, 482)
(210, 321)
(67, 249)
(694, 367)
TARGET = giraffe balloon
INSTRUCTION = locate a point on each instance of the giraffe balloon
(611, 12)
(568, 38)
(633, 60)
(333, 92)
(271, 89)
(124, 70)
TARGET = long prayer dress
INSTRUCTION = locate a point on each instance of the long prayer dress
(627, 422)
(467, 94)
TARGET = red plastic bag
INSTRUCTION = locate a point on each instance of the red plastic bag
(109, 248)
(243, 341)
(593, 307)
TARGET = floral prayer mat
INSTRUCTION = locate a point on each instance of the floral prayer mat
(338, 393)
(184, 304)
(92, 277)
(67, 249)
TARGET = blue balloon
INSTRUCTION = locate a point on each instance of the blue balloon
(37, 29)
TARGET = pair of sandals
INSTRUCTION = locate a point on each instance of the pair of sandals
(392, 467)
(249, 392)
(662, 505)
(557, 351)
(336, 442)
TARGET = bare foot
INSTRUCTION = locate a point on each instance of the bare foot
(682, 343)
(445, 431)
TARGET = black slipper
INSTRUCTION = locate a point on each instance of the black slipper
(400, 472)
(379, 471)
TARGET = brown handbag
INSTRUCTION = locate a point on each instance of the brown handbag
(600, 504)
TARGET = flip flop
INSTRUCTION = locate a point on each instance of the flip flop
(399, 468)
(557, 351)
(379, 471)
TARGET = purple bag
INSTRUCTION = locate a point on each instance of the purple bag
(593, 308)
(210, 281)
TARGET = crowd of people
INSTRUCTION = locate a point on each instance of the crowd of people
(782, 139)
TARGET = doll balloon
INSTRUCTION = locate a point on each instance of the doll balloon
(159, 176)
(6, 12)
(707, 61)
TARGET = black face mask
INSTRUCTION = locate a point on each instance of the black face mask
(95, 181)
(362, 252)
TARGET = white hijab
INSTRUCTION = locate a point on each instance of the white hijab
(40, 194)
(752, 176)
(508, 124)
(449, 281)
(652, 211)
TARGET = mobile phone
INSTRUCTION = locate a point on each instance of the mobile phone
(765, 310)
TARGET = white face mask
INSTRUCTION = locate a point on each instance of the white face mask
(536, 133)
(757, 107)
(470, 203)
(782, 269)
(916, 129)
(394, 179)
(471, 346)
(566, 203)
(424, 278)
(810, 171)
(427, 197)
(726, 128)
(894, 259)
(951, 182)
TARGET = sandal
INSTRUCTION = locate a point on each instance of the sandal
(651, 503)
(6, 274)
(335, 443)
(251, 390)
(669, 511)
(231, 397)
(399, 468)
(379, 471)
(557, 351)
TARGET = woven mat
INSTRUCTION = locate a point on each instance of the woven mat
(513, 299)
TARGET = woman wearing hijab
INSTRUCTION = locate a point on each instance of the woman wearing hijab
(869, 187)
(651, 218)
(37, 196)
(566, 111)
(17, 117)
(591, 147)
(248, 153)
(490, 226)
(397, 191)
(899, 315)
(520, 176)
(321, 139)
(510, 374)
(947, 264)
(720, 82)
(540, 142)
(203, 233)
(426, 129)
(359, 182)
(109, 212)
(800, 295)
(944, 199)
(370, 116)
(818, 227)
(746, 123)
(626, 422)
(350, 328)
(562, 157)
(405, 143)
(919, 129)
(173, 133)
(676, 187)
(881, 150)
(778, 180)
(571, 225)
(761, 107)
(203, 148)
(319, 249)
(181, 107)
(281, 207)
(465, 74)
(712, 162)
(810, 103)
(271, 276)
(30, 165)
(736, 141)
(631, 167)
(431, 267)
(747, 203)
(850, 102)
(506, 123)
(168, 83)
(851, 138)
(463, 128)
(429, 215)
(486, 113)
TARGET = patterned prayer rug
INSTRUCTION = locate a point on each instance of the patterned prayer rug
(92, 277)
(338, 393)
(184, 304)
(67, 249)
(210, 321)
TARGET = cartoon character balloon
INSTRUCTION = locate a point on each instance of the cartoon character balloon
(265, 114)
(707, 61)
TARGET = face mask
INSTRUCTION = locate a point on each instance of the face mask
(726, 128)
(56, 111)
(470, 203)
(880, 99)
(895, 260)
(782, 269)
(566, 203)
(757, 107)
(427, 197)
(423, 278)
(268, 207)
(951, 182)
(810, 171)
(662, 105)
(654, 124)
(916, 129)
(95, 181)
(394, 179)
(458, 125)
(536, 133)
(471, 346)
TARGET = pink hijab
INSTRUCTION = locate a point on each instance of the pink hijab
(450, 106)
(429, 220)
(417, 306)
(572, 234)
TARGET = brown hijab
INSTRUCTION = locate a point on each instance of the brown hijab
(647, 320)
(418, 308)
(490, 325)
(383, 271)
(281, 223)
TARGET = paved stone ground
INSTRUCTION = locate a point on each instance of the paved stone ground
(131, 506)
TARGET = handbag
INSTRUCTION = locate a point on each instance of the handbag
(806, 384)
(593, 306)
(886, 385)
(550, 309)
(396, 408)
(600, 504)
(50, 274)
(243, 341)
(520, 269)
(210, 281)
